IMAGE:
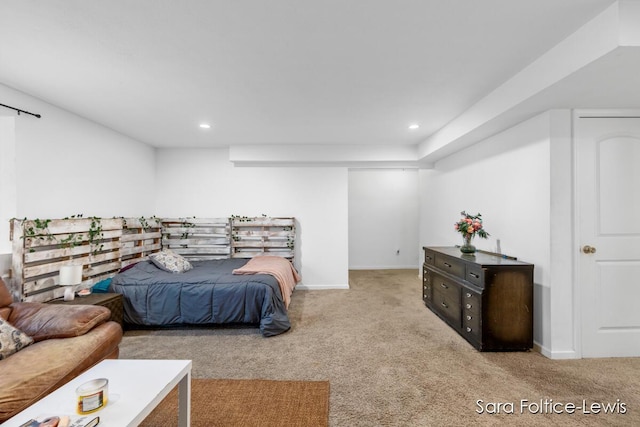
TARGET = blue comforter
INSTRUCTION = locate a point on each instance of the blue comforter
(205, 295)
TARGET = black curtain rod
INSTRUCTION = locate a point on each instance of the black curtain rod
(20, 111)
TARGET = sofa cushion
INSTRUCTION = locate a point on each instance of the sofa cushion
(12, 339)
(5, 295)
(45, 321)
(5, 300)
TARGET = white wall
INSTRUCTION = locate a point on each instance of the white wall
(7, 181)
(204, 183)
(68, 165)
(506, 178)
(65, 165)
(383, 218)
(7, 189)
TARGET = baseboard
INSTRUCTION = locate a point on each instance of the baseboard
(321, 287)
(557, 355)
(542, 350)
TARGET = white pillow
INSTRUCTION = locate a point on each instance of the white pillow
(12, 340)
(170, 261)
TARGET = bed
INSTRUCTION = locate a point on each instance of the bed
(230, 281)
(212, 292)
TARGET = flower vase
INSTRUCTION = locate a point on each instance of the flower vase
(467, 247)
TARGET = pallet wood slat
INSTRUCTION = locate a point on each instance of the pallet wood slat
(137, 223)
(264, 222)
(262, 233)
(102, 257)
(140, 249)
(198, 241)
(49, 268)
(132, 237)
(260, 244)
(53, 253)
(74, 225)
(58, 240)
(41, 284)
(242, 254)
(189, 251)
(47, 296)
(195, 220)
(102, 268)
(197, 234)
(138, 242)
(222, 230)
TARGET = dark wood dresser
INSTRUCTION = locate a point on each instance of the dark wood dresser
(488, 299)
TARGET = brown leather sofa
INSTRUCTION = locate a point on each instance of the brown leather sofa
(68, 339)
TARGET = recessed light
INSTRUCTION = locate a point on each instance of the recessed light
(205, 125)
(414, 126)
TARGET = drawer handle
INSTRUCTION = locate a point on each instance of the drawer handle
(447, 264)
(468, 295)
(469, 329)
(444, 305)
(444, 286)
(468, 305)
(469, 317)
(477, 276)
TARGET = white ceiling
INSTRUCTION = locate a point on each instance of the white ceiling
(279, 71)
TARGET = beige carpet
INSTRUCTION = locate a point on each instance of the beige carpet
(248, 403)
(391, 362)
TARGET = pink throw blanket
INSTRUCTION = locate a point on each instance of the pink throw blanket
(278, 267)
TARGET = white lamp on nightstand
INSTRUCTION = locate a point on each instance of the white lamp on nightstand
(70, 276)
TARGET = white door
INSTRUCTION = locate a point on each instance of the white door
(608, 235)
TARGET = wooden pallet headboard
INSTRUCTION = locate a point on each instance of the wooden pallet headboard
(103, 246)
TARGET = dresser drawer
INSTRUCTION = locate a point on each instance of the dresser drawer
(447, 308)
(429, 257)
(475, 275)
(450, 265)
(471, 301)
(447, 288)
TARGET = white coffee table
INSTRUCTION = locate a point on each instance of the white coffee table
(136, 387)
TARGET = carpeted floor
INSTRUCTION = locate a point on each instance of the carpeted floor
(391, 362)
(248, 403)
